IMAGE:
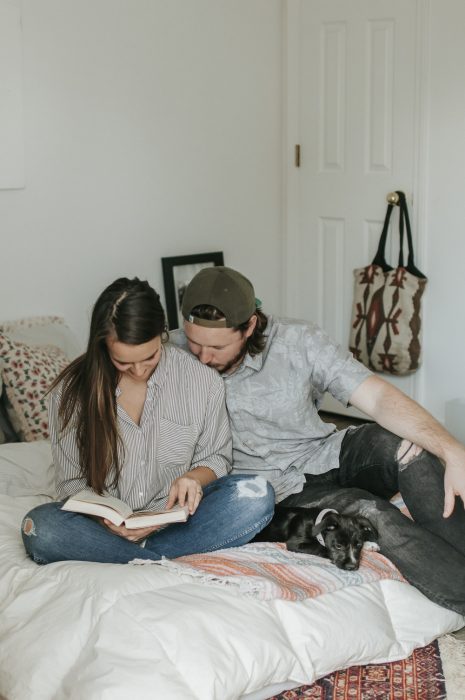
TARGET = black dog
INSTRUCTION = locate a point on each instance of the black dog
(337, 537)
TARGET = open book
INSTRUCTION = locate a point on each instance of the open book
(118, 512)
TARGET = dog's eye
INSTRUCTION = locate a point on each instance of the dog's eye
(338, 546)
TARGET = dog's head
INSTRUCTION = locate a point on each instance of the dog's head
(344, 537)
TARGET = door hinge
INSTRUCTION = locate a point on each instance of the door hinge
(297, 155)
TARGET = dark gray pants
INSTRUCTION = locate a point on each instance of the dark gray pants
(374, 465)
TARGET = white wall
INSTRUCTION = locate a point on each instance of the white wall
(152, 128)
(444, 320)
(11, 96)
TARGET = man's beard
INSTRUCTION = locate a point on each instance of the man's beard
(232, 364)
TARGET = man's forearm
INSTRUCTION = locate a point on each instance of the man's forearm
(398, 413)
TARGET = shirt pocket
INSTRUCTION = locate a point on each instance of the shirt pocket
(176, 444)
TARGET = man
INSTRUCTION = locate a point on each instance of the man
(275, 373)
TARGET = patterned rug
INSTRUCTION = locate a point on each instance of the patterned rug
(420, 677)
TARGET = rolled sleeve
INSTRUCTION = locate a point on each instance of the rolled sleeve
(335, 369)
(68, 475)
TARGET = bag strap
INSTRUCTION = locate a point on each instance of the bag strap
(402, 210)
(380, 257)
(410, 261)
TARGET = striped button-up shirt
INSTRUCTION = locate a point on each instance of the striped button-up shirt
(184, 425)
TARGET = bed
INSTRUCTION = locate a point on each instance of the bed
(96, 631)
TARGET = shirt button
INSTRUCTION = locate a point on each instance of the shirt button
(142, 464)
(141, 493)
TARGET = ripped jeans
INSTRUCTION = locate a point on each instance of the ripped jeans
(374, 465)
(233, 509)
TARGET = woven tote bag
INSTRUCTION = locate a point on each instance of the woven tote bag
(386, 312)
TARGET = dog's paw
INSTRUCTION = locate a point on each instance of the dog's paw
(371, 546)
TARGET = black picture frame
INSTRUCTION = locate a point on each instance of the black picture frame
(177, 273)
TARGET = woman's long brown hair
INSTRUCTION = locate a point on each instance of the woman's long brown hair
(129, 311)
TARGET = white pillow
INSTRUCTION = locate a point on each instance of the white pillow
(48, 334)
(28, 373)
(43, 330)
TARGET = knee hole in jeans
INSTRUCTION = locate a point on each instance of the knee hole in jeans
(256, 487)
(29, 527)
(407, 452)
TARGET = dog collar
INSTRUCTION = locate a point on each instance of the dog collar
(318, 520)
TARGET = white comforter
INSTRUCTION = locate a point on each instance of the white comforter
(97, 631)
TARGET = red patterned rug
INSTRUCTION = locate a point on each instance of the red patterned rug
(420, 677)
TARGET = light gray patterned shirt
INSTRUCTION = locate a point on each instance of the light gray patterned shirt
(184, 425)
(273, 401)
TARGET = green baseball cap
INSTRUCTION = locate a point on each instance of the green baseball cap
(227, 290)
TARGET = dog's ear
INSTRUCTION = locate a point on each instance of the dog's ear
(330, 522)
(369, 532)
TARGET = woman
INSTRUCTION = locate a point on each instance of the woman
(144, 421)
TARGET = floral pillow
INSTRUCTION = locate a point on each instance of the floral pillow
(28, 371)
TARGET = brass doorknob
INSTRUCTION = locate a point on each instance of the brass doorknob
(393, 198)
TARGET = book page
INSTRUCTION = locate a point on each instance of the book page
(162, 517)
(162, 511)
(90, 503)
(89, 496)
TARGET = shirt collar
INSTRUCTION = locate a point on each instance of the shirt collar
(158, 376)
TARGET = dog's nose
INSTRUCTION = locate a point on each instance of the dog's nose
(351, 567)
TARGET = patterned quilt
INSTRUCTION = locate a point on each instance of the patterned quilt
(266, 571)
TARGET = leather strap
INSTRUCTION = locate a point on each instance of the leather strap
(404, 220)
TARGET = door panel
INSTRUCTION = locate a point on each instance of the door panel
(352, 109)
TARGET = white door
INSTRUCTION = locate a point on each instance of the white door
(352, 105)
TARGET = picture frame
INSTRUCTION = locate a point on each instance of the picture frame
(177, 273)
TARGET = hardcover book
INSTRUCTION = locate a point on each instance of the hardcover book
(118, 512)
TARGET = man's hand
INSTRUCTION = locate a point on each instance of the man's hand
(396, 412)
(133, 535)
(454, 480)
(185, 489)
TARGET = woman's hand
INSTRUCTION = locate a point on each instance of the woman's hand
(185, 489)
(133, 535)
